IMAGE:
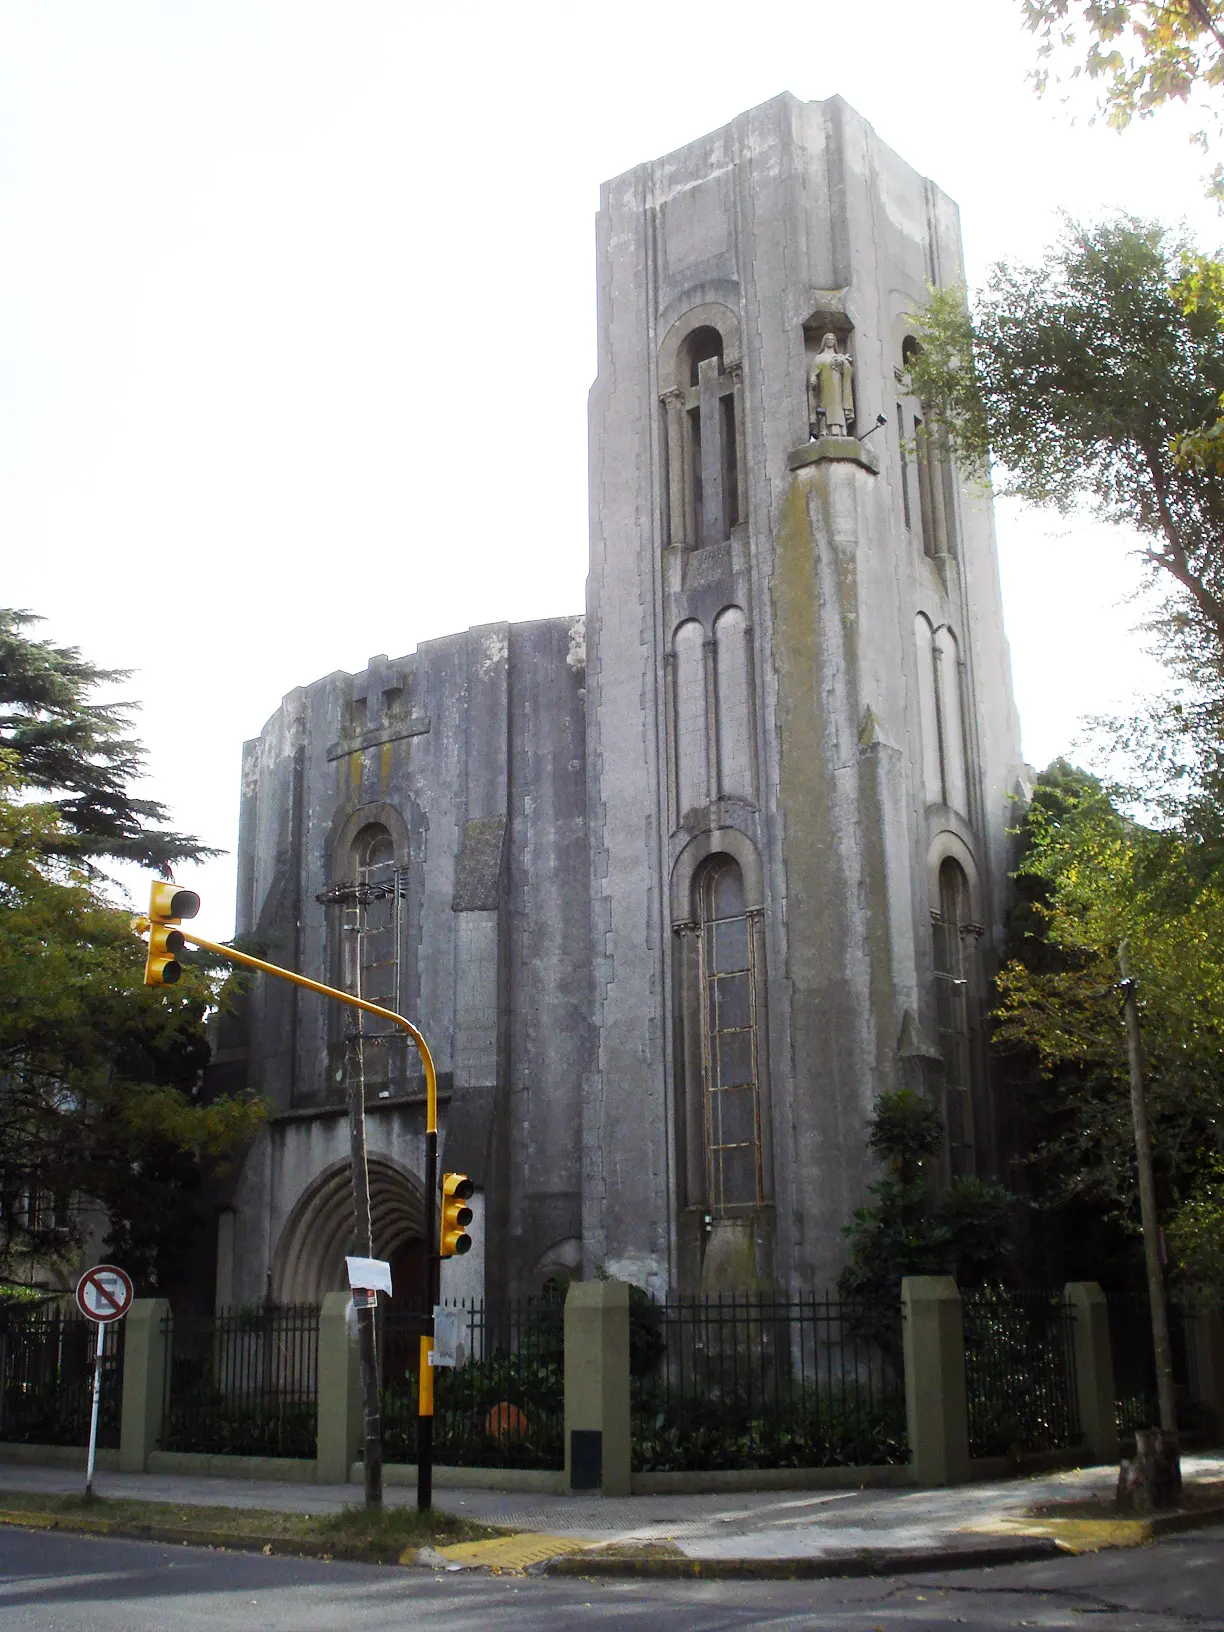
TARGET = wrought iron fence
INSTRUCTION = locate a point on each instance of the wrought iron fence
(1134, 1363)
(1019, 1371)
(503, 1407)
(243, 1383)
(752, 1382)
(46, 1378)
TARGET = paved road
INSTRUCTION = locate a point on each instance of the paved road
(760, 1524)
(61, 1583)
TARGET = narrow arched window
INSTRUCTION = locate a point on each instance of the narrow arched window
(701, 433)
(374, 877)
(932, 466)
(729, 1040)
(956, 938)
(369, 950)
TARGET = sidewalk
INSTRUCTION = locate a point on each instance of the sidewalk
(826, 1532)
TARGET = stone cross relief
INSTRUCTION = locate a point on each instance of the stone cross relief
(380, 711)
(831, 390)
(379, 697)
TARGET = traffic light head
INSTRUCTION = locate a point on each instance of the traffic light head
(457, 1191)
(168, 905)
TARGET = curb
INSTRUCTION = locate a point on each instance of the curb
(1168, 1524)
(862, 1561)
(865, 1561)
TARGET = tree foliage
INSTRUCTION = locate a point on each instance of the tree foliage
(1091, 877)
(1089, 379)
(909, 1228)
(1140, 54)
(99, 1075)
(80, 752)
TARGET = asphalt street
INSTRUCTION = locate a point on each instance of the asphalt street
(63, 1583)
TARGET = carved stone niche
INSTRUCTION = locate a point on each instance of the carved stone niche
(831, 391)
(828, 317)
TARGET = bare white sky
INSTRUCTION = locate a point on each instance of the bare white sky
(297, 320)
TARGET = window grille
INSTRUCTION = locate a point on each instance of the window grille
(729, 1041)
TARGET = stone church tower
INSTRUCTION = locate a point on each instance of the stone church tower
(673, 896)
(801, 740)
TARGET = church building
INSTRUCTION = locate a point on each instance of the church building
(675, 888)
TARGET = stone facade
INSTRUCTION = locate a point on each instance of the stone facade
(677, 890)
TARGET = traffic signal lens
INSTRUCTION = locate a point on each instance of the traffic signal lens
(167, 903)
(457, 1191)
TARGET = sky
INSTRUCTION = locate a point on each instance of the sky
(297, 322)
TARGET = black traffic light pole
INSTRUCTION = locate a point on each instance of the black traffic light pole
(425, 1401)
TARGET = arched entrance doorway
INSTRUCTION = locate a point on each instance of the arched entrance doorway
(318, 1235)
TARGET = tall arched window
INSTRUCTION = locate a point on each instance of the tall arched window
(956, 938)
(934, 473)
(702, 443)
(728, 1039)
(374, 876)
(370, 948)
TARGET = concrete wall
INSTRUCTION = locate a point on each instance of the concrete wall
(470, 751)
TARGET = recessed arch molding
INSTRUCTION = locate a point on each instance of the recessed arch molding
(318, 1234)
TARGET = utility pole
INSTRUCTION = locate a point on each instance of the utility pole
(1147, 1205)
(371, 1408)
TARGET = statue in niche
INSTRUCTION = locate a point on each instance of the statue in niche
(831, 390)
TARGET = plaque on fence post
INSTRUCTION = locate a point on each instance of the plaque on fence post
(449, 1348)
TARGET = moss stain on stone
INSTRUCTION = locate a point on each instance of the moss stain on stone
(803, 790)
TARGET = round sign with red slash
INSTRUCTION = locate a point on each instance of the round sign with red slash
(104, 1293)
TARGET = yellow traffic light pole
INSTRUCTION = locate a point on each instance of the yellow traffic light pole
(425, 1406)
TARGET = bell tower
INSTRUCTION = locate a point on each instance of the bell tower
(801, 739)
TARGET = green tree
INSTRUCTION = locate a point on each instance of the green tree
(909, 1227)
(1140, 54)
(1087, 379)
(1090, 876)
(80, 752)
(100, 1104)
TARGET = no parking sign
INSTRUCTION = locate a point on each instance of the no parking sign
(104, 1293)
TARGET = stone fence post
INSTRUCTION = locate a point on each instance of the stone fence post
(936, 1408)
(339, 1393)
(1094, 1373)
(146, 1341)
(597, 1431)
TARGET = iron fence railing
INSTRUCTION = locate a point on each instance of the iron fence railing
(46, 1378)
(755, 1382)
(1134, 1363)
(502, 1407)
(244, 1382)
(1019, 1371)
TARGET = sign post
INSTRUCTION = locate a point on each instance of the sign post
(103, 1294)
